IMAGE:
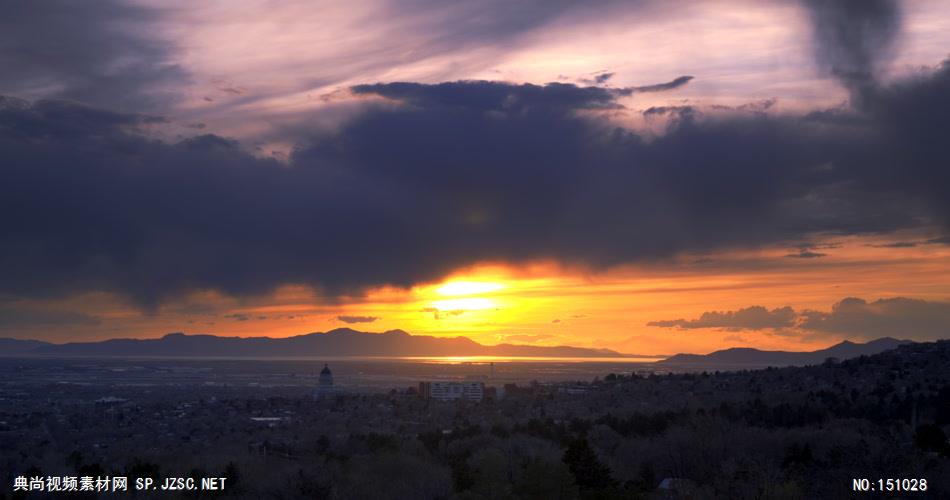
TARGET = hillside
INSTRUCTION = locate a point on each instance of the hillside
(750, 357)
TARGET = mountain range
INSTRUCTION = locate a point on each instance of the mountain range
(396, 343)
(750, 357)
(339, 342)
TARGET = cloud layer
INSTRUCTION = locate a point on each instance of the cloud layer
(898, 317)
(450, 175)
(749, 318)
(15, 318)
(853, 37)
(96, 53)
(425, 178)
(357, 319)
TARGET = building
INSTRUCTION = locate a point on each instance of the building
(452, 391)
(325, 387)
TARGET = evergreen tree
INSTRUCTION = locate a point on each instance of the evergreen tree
(589, 472)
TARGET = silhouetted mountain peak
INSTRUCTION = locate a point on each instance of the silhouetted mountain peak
(342, 331)
(889, 340)
(738, 356)
(16, 346)
(740, 350)
(337, 342)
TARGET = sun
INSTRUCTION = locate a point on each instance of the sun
(456, 288)
(465, 296)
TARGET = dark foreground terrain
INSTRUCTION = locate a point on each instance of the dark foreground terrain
(805, 432)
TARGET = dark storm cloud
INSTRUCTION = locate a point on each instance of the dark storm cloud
(483, 95)
(357, 319)
(896, 244)
(806, 254)
(660, 87)
(598, 78)
(749, 318)
(495, 96)
(12, 318)
(455, 174)
(897, 317)
(912, 244)
(912, 117)
(681, 111)
(852, 37)
(95, 52)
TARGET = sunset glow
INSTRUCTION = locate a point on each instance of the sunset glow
(468, 288)
(650, 178)
(487, 249)
(545, 304)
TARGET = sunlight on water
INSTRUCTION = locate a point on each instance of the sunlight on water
(511, 359)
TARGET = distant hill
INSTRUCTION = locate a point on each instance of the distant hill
(747, 356)
(17, 346)
(339, 342)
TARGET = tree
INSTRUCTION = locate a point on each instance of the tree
(589, 472)
(542, 479)
(932, 438)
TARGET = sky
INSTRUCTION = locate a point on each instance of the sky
(646, 176)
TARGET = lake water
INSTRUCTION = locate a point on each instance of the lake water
(351, 373)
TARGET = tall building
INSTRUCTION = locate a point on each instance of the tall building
(325, 387)
(449, 391)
